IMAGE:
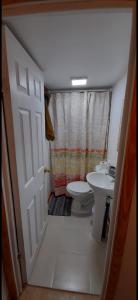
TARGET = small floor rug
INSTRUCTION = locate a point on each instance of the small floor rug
(60, 206)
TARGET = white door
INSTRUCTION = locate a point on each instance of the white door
(27, 97)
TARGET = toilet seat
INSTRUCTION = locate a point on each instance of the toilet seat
(79, 188)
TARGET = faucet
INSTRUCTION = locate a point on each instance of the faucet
(107, 168)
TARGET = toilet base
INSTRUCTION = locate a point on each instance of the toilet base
(81, 208)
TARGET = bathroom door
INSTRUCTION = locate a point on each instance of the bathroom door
(27, 104)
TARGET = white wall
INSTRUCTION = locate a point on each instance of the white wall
(117, 102)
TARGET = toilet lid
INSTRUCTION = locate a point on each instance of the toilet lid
(79, 187)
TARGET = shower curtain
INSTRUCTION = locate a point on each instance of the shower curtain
(80, 121)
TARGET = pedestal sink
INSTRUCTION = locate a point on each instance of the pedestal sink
(103, 186)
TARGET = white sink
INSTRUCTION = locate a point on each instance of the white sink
(103, 186)
(100, 181)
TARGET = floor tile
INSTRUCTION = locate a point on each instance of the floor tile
(77, 222)
(97, 265)
(72, 273)
(43, 271)
(75, 240)
(53, 238)
(69, 257)
(55, 220)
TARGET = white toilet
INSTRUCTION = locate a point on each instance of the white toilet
(83, 198)
(83, 195)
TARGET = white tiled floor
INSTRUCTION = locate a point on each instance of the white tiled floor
(69, 258)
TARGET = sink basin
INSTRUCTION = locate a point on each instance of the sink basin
(103, 186)
(100, 181)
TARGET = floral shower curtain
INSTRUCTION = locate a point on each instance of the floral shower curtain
(80, 121)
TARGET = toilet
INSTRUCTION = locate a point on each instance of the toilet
(83, 198)
(83, 195)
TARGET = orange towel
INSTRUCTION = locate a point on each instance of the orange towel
(48, 125)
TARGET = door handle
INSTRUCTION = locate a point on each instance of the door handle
(46, 170)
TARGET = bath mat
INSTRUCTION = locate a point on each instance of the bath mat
(60, 206)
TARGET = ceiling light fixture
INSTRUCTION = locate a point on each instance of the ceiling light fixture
(78, 81)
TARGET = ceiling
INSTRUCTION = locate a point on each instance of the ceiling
(93, 43)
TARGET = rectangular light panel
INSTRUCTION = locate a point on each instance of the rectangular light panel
(79, 81)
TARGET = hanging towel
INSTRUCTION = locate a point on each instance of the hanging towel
(47, 95)
(48, 125)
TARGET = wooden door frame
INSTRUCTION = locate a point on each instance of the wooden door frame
(7, 225)
(31, 7)
(125, 177)
(6, 255)
(126, 168)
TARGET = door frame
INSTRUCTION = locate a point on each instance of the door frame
(23, 7)
(125, 181)
(6, 255)
(9, 239)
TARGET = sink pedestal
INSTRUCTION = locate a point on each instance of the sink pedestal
(103, 186)
(98, 218)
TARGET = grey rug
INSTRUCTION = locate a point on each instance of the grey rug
(60, 206)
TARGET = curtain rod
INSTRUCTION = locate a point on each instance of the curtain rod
(81, 90)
